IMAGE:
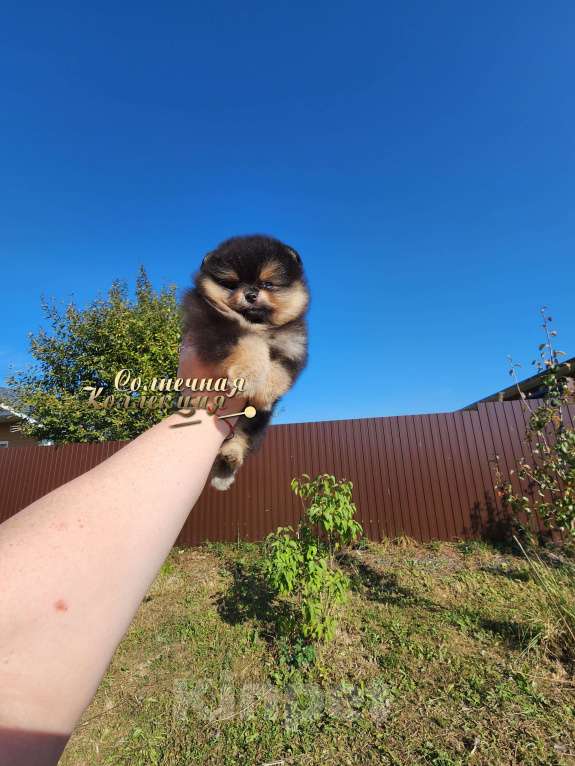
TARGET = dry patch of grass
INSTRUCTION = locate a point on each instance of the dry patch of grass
(440, 658)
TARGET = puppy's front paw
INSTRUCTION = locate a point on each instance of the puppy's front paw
(250, 361)
(276, 383)
(256, 385)
(253, 380)
(261, 398)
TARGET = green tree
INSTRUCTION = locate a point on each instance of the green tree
(87, 347)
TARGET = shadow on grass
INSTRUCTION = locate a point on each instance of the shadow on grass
(250, 598)
(380, 586)
(385, 589)
(520, 575)
(514, 634)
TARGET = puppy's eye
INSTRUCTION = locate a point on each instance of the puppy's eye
(267, 285)
(227, 283)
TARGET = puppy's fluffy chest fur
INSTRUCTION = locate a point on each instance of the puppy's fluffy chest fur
(268, 361)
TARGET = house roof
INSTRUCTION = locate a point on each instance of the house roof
(7, 395)
(9, 410)
(532, 387)
(6, 398)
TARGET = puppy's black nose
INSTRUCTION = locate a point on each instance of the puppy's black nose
(251, 295)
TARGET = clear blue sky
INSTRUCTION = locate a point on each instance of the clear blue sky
(419, 155)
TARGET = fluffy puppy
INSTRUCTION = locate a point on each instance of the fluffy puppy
(246, 315)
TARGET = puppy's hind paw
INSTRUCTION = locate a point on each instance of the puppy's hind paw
(222, 483)
(223, 473)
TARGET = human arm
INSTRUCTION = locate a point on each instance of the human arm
(75, 565)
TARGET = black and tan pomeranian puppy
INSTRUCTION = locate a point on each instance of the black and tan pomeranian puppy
(246, 316)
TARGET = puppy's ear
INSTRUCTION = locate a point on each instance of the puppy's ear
(294, 254)
(205, 259)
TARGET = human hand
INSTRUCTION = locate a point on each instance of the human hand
(191, 366)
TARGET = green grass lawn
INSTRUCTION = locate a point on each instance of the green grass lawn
(442, 656)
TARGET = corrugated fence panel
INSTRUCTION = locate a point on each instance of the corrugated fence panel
(426, 476)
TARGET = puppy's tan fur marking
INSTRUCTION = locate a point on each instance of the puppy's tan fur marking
(288, 304)
(214, 292)
(291, 344)
(250, 360)
(228, 274)
(270, 271)
(264, 300)
(265, 381)
(276, 384)
(220, 298)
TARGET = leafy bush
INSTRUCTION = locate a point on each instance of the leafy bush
(548, 482)
(301, 563)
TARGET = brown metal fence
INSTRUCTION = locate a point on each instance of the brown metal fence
(426, 476)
